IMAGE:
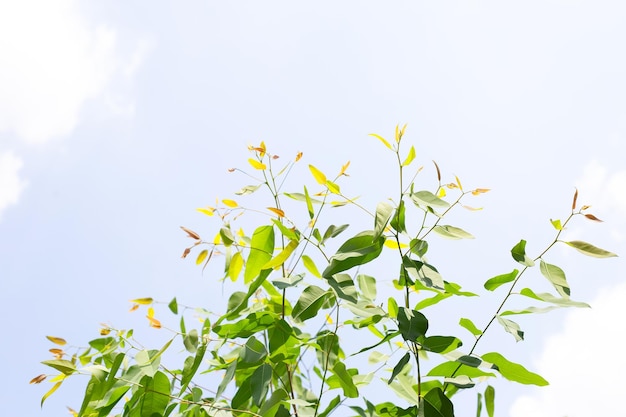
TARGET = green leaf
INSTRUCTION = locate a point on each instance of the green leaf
(549, 298)
(427, 199)
(64, 366)
(451, 232)
(302, 197)
(419, 247)
(291, 234)
(404, 387)
(309, 303)
(519, 254)
(246, 327)
(513, 371)
(461, 381)
(383, 214)
(261, 249)
(227, 236)
(511, 327)
(590, 250)
(333, 231)
(412, 324)
(146, 363)
(398, 221)
(441, 344)
(309, 203)
(493, 283)
(310, 266)
(479, 404)
(432, 301)
(436, 404)
(446, 369)
(253, 351)
(490, 397)
(557, 225)
(260, 382)
(399, 366)
(470, 326)
(280, 259)
(157, 395)
(270, 406)
(345, 379)
(248, 189)
(190, 340)
(357, 250)
(286, 282)
(556, 276)
(173, 306)
(392, 307)
(367, 285)
(343, 286)
(528, 310)
(228, 376)
(331, 406)
(191, 367)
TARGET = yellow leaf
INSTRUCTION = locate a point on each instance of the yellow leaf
(402, 130)
(329, 319)
(480, 191)
(235, 266)
(393, 244)
(240, 232)
(298, 156)
(276, 211)
(104, 331)
(410, 157)
(134, 307)
(56, 351)
(334, 188)
(56, 340)
(150, 312)
(230, 203)
(397, 133)
(441, 193)
(264, 149)
(344, 168)
(318, 175)
(256, 164)
(202, 256)
(206, 210)
(72, 412)
(50, 392)
(280, 259)
(458, 182)
(383, 140)
(217, 239)
(144, 301)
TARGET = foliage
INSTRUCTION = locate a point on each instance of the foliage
(302, 316)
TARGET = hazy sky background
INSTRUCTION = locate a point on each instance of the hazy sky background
(118, 119)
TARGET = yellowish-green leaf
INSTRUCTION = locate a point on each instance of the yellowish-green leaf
(458, 182)
(383, 140)
(230, 203)
(202, 256)
(590, 250)
(236, 264)
(280, 259)
(334, 188)
(56, 340)
(310, 266)
(410, 157)
(256, 164)
(142, 301)
(50, 392)
(318, 175)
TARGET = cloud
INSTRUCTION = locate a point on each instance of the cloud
(11, 185)
(584, 363)
(52, 61)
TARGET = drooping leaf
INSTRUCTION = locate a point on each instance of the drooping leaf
(490, 396)
(280, 259)
(470, 326)
(358, 250)
(451, 232)
(461, 381)
(556, 276)
(384, 211)
(513, 371)
(253, 351)
(399, 366)
(511, 327)
(383, 140)
(493, 283)
(412, 324)
(519, 254)
(261, 249)
(310, 266)
(590, 250)
(419, 247)
(343, 286)
(50, 392)
(190, 340)
(309, 303)
(333, 231)
(436, 404)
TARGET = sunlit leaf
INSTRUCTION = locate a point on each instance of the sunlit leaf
(549, 298)
(519, 254)
(383, 140)
(64, 366)
(470, 326)
(590, 250)
(280, 259)
(344, 168)
(143, 301)
(154, 322)
(410, 157)
(511, 327)
(56, 340)
(50, 392)
(383, 214)
(451, 232)
(557, 224)
(513, 371)
(309, 303)
(428, 199)
(202, 256)
(230, 203)
(256, 164)
(310, 266)
(289, 281)
(556, 276)
(235, 266)
(493, 283)
(318, 175)
(358, 250)
(332, 187)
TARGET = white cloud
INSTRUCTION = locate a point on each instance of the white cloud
(52, 60)
(584, 363)
(11, 185)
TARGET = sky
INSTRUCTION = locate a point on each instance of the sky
(118, 119)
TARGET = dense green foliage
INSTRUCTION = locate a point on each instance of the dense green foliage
(304, 331)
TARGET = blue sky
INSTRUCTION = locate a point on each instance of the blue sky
(117, 120)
